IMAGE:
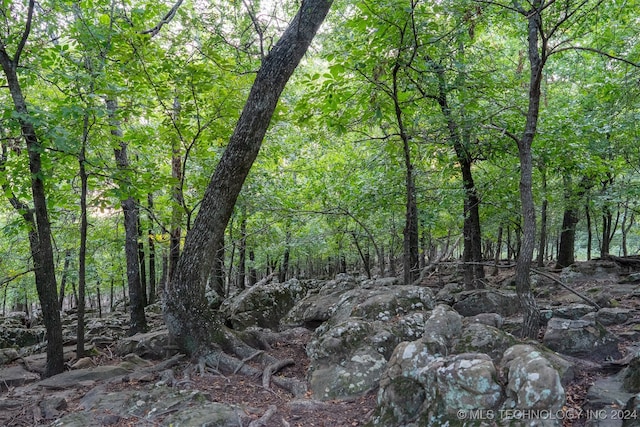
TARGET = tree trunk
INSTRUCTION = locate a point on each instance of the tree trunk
(177, 196)
(65, 275)
(253, 274)
(543, 219)
(566, 252)
(138, 322)
(152, 254)
(531, 321)
(472, 251)
(40, 239)
(143, 264)
(191, 323)
(498, 252)
(587, 213)
(242, 252)
(82, 253)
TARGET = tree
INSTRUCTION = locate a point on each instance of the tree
(37, 218)
(194, 326)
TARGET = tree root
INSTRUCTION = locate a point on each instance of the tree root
(272, 369)
(223, 362)
(264, 419)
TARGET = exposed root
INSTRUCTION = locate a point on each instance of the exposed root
(226, 363)
(246, 359)
(272, 369)
(264, 419)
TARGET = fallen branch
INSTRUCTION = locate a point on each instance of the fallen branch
(581, 296)
(432, 265)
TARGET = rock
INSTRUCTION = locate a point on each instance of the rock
(19, 337)
(490, 319)
(348, 358)
(70, 379)
(448, 294)
(533, 383)
(581, 338)
(631, 412)
(441, 329)
(631, 376)
(152, 345)
(471, 303)
(51, 407)
(428, 390)
(481, 338)
(152, 406)
(353, 377)
(263, 305)
(607, 393)
(593, 270)
(468, 381)
(372, 300)
(85, 362)
(318, 306)
(13, 376)
(613, 316)
(8, 355)
(572, 311)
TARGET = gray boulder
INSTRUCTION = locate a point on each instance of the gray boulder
(471, 303)
(613, 316)
(481, 338)
(533, 383)
(151, 345)
(581, 338)
(572, 311)
(442, 329)
(429, 390)
(263, 305)
(20, 336)
(8, 355)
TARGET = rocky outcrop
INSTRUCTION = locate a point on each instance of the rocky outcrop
(263, 305)
(581, 338)
(471, 303)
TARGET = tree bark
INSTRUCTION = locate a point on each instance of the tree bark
(152, 254)
(190, 321)
(543, 219)
(472, 247)
(82, 253)
(138, 322)
(40, 239)
(531, 313)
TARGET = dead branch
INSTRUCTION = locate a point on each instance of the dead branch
(573, 291)
(434, 264)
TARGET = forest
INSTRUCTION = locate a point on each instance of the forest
(161, 151)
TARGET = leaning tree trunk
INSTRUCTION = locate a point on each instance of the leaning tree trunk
(191, 323)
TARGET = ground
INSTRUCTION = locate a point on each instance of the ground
(249, 392)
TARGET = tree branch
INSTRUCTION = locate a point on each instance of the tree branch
(165, 20)
(597, 51)
(25, 34)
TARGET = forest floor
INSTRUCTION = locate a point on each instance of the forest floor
(246, 392)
